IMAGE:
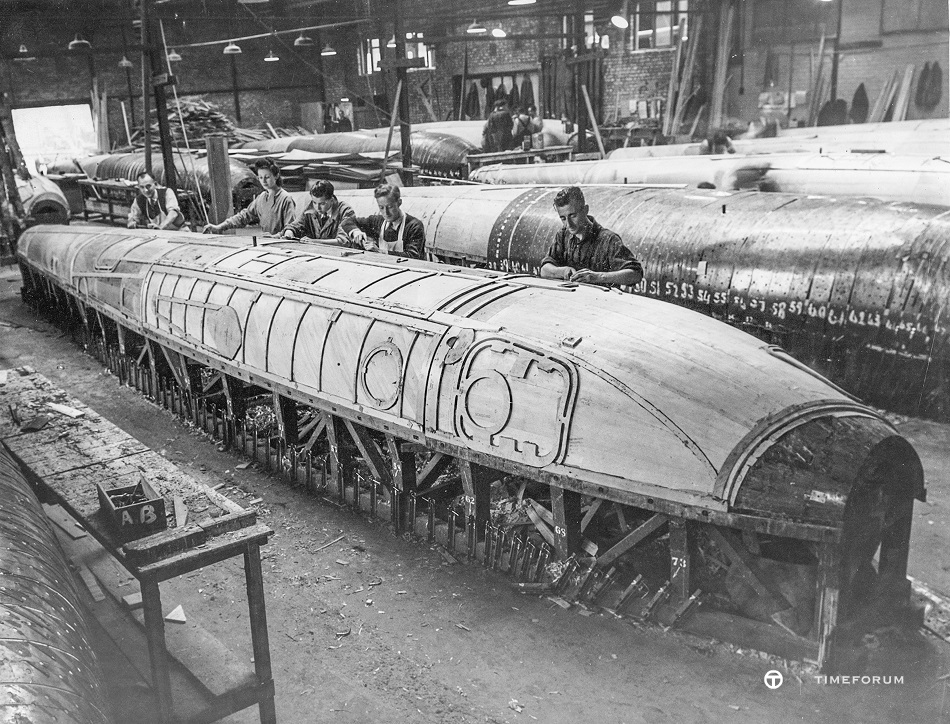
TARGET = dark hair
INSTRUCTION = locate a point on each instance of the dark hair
(501, 103)
(387, 190)
(263, 163)
(569, 194)
(143, 174)
(322, 189)
(718, 138)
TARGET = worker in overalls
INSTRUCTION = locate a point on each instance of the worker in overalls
(391, 231)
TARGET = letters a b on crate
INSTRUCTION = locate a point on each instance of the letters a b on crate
(135, 510)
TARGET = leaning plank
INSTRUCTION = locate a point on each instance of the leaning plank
(746, 567)
(903, 96)
(631, 539)
(370, 452)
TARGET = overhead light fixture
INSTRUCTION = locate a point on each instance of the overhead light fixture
(125, 62)
(392, 42)
(327, 51)
(303, 41)
(78, 43)
(232, 48)
(174, 56)
(498, 33)
(344, 99)
(476, 29)
(621, 18)
(24, 54)
(271, 57)
(252, 2)
(522, 2)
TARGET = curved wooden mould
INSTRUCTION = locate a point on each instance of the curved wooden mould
(590, 392)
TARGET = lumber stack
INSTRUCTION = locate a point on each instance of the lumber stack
(200, 118)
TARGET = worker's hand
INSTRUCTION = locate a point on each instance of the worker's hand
(567, 273)
(288, 234)
(210, 229)
(586, 276)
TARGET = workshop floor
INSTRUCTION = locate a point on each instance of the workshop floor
(377, 628)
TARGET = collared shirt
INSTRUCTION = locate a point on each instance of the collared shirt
(271, 211)
(378, 229)
(601, 250)
(150, 210)
(311, 224)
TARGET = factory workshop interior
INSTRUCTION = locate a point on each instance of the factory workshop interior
(494, 361)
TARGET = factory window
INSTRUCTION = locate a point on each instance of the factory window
(654, 23)
(780, 22)
(913, 15)
(370, 53)
(592, 38)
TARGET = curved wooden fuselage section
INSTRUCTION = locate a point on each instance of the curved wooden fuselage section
(604, 391)
(855, 289)
(610, 395)
(48, 665)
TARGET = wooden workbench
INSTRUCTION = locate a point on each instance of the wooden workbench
(77, 448)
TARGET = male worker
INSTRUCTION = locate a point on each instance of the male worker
(497, 133)
(584, 251)
(272, 209)
(323, 218)
(392, 231)
(155, 207)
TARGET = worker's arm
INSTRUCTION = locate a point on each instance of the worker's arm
(622, 277)
(244, 217)
(549, 270)
(414, 240)
(174, 219)
(552, 266)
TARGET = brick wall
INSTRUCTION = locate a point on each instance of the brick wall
(873, 66)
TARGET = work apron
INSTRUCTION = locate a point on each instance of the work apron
(390, 247)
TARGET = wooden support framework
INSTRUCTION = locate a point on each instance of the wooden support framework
(633, 538)
(427, 480)
(476, 484)
(681, 558)
(566, 507)
(285, 410)
(747, 568)
(402, 462)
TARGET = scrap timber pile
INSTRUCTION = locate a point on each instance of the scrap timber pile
(200, 118)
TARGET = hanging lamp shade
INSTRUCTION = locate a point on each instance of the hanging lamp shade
(78, 43)
(522, 2)
(499, 33)
(125, 62)
(271, 57)
(23, 53)
(327, 51)
(621, 17)
(174, 56)
(232, 48)
(476, 29)
(303, 41)
(391, 43)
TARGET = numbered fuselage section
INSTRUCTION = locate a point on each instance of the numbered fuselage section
(615, 390)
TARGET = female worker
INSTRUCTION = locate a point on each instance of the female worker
(272, 209)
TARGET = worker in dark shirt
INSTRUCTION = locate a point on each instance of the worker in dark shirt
(498, 130)
(584, 251)
(392, 231)
(323, 218)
